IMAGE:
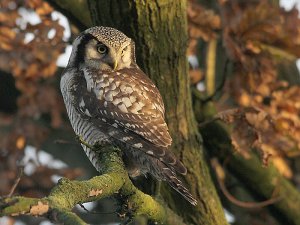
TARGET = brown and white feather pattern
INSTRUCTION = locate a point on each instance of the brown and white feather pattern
(130, 102)
(133, 102)
(97, 123)
(121, 107)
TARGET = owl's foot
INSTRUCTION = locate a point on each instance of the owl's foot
(83, 142)
(107, 148)
(103, 147)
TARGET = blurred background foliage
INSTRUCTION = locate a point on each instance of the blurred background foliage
(242, 57)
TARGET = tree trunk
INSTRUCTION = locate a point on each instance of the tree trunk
(159, 29)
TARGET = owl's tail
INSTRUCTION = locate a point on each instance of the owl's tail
(170, 177)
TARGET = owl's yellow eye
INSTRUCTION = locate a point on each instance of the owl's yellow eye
(102, 49)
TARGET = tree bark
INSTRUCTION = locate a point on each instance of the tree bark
(159, 29)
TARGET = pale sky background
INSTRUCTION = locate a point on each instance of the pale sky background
(44, 157)
(289, 4)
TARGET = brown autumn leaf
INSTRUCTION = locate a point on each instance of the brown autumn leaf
(244, 136)
(196, 75)
(20, 143)
(202, 22)
(39, 209)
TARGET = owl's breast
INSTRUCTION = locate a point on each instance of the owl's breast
(74, 90)
(126, 91)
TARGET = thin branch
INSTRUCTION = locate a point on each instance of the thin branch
(203, 124)
(12, 190)
(277, 52)
(94, 212)
(220, 116)
(211, 66)
(64, 142)
(66, 217)
(221, 181)
(78, 15)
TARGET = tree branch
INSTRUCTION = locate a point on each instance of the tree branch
(66, 194)
(210, 67)
(79, 14)
(262, 181)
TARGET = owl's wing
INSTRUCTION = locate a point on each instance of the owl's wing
(130, 104)
(128, 99)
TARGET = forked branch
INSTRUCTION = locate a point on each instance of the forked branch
(66, 194)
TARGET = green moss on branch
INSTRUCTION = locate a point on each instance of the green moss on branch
(66, 194)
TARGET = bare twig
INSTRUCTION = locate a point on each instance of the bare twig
(208, 121)
(223, 115)
(94, 212)
(64, 142)
(13, 188)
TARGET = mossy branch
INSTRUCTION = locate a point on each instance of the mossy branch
(264, 181)
(66, 194)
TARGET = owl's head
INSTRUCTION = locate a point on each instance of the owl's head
(103, 48)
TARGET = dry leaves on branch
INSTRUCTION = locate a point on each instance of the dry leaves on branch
(257, 36)
(252, 29)
(30, 62)
(36, 58)
(277, 99)
(202, 24)
(29, 52)
(253, 128)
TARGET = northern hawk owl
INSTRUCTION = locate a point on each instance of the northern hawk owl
(110, 100)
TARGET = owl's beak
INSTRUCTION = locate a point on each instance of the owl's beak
(115, 65)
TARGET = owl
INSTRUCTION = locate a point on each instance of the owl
(109, 100)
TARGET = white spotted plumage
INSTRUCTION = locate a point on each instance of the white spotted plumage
(110, 100)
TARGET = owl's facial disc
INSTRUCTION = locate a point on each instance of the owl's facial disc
(103, 56)
(126, 55)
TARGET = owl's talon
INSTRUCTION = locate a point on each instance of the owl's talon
(83, 142)
(98, 147)
(107, 148)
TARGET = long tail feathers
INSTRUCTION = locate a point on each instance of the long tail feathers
(164, 159)
(177, 184)
(170, 159)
